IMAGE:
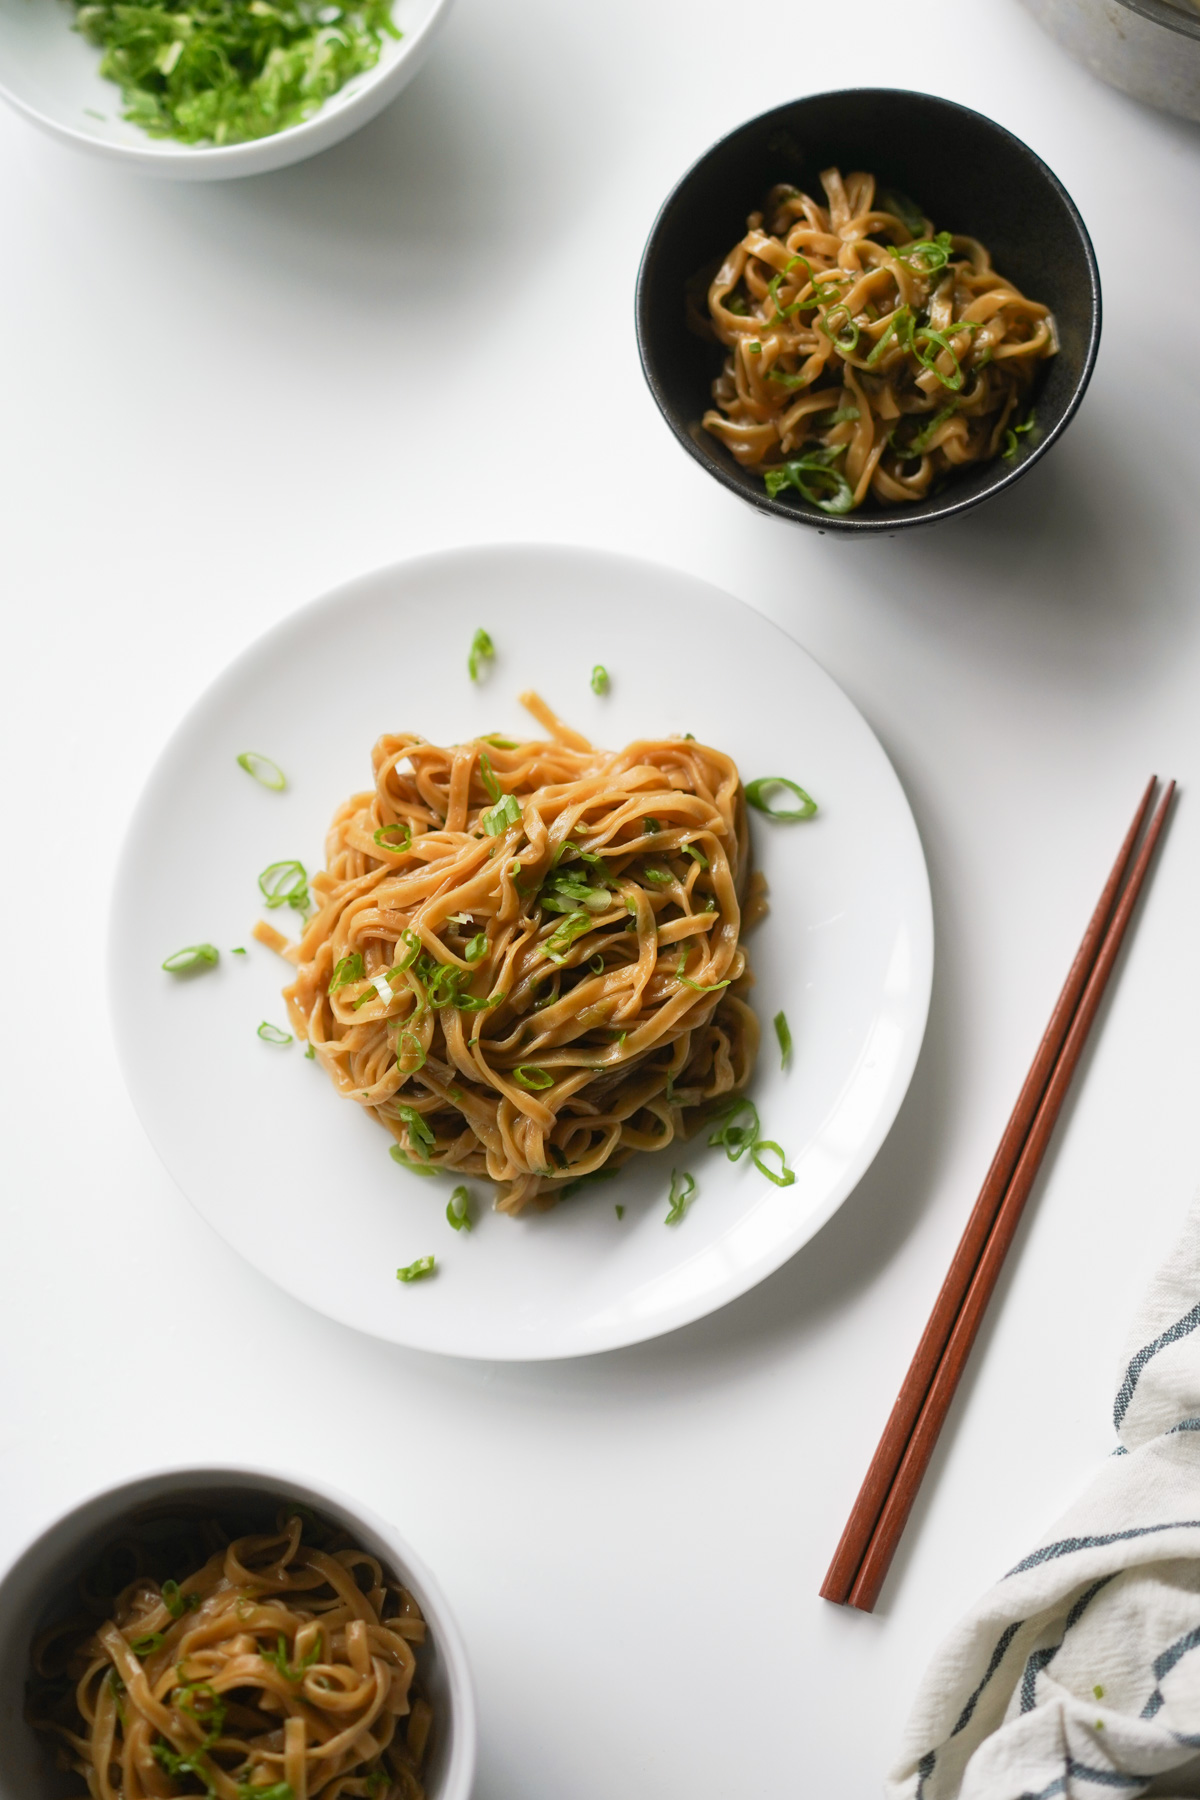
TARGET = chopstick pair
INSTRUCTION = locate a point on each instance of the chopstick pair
(874, 1528)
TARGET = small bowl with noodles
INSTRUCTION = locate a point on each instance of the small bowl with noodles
(868, 310)
(233, 1633)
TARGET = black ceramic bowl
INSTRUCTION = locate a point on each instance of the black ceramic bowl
(969, 174)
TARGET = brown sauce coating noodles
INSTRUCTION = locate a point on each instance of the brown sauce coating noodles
(866, 356)
(279, 1665)
(526, 960)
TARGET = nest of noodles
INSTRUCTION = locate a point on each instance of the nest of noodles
(526, 959)
(866, 355)
(277, 1665)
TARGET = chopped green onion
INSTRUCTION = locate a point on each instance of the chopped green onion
(458, 1210)
(899, 326)
(660, 877)
(786, 1176)
(527, 1076)
(564, 934)
(596, 963)
(412, 950)
(498, 742)
(279, 1658)
(501, 817)
(754, 348)
(599, 679)
(933, 252)
(196, 956)
(268, 773)
(175, 1602)
(809, 475)
(785, 1038)
(271, 1034)
(482, 650)
(695, 851)
(385, 841)
(417, 1052)
(928, 359)
(699, 987)
(408, 1162)
(620, 1212)
(1014, 432)
(147, 1645)
(238, 950)
(494, 790)
(845, 337)
(756, 792)
(417, 1271)
(477, 947)
(736, 305)
(683, 1188)
(918, 445)
(420, 1135)
(731, 1136)
(285, 884)
(349, 969)
(651, 825)
(310, 1054)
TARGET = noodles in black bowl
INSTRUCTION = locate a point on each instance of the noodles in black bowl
(868, 310)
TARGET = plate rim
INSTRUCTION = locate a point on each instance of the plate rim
(923, 948)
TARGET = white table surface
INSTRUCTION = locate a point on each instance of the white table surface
(216, 402)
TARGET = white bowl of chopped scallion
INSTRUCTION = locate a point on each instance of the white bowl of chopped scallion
(202, 89)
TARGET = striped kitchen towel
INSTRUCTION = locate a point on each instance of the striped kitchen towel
(1079, 1673)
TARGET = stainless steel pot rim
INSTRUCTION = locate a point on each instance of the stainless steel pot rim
(1173, 17)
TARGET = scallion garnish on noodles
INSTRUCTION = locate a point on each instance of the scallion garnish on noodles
(650, 826)
(476, 948)
(494, 790)
(195, 956)
(385, 840)
(933, 252)
(458, 1210)
(756, 796)
(694, 851)
(599, 679)
(417, 1271)
(559, 942)
(526, 1075)
(482, 650)
(148, 1644)
(783, 1033)
(501, 817)
(683, 1188)
(815, 479)
(660, 877)
(175, 1602)
(349, 969)
(271, 1034)
(285, 884)
(264, 771)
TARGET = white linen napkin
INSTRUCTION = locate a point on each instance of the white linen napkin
(1078, 1674)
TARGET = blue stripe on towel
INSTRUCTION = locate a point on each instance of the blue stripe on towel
(1039, 1659)
(1165, 1663)
(1077, 1771)
(998, 1654)
(1068, 1546)
(1181, 1328)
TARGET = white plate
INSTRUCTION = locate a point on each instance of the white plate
(298, 1180)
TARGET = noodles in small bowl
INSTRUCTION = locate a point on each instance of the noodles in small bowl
(868, 311)
(212, 1638)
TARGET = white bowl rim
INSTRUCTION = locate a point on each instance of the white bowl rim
(328, 125)
(139, 1488)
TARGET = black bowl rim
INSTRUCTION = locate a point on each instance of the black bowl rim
(870, 523)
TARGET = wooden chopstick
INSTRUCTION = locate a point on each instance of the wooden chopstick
(885, 1499)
